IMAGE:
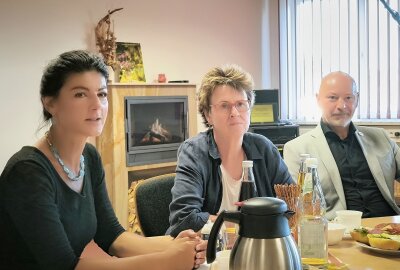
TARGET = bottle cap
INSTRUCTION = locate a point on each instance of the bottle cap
(247, 163)
(312, 162)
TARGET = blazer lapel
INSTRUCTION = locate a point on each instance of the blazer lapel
(373, 162)
(328, 163)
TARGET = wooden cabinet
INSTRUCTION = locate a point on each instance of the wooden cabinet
(112, 144)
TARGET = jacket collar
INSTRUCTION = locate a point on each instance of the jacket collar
(327, 130)
(212, 145)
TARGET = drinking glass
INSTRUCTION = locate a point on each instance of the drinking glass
(293, 205)
(291, 195)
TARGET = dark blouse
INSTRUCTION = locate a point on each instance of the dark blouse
(43, 223)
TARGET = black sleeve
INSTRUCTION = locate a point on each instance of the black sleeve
(108, 226)
(29, 199)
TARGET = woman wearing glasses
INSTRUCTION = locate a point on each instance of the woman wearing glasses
(209, 166)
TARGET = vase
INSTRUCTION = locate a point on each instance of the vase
(117, 74)
(162, 78)
(111, 74)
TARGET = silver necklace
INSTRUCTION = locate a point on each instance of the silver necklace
(70, 174)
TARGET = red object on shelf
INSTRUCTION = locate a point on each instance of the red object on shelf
(162, 78)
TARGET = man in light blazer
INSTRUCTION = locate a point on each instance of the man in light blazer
(357, 165)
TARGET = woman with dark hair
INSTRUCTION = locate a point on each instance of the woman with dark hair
(53, 198)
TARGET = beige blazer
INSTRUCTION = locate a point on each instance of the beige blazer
(382, 154)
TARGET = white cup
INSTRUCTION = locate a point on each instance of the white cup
(349, 218)
(223, 259)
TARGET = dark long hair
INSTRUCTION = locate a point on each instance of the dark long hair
(59, 69)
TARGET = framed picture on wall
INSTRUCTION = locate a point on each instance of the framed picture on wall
(129, 62)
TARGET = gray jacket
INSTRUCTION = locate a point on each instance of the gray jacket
(381, 153)
(197, 191)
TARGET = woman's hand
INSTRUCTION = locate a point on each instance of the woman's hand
(181, 253)
(200, 258)
(201, 246)
(187, 233)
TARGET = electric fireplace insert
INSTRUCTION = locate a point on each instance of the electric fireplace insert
(155, 126)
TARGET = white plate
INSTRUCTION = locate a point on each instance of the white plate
(378, 250)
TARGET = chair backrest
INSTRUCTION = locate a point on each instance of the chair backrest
(153, 197)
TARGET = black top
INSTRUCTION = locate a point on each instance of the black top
(360, 189)
(43, 223)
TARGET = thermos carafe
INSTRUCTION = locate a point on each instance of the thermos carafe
(264, 240)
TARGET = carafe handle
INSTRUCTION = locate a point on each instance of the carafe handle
(232, 216)
(289, 213)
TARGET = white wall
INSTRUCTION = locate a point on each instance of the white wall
(180, 38)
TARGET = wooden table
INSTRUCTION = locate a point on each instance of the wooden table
(358, 258)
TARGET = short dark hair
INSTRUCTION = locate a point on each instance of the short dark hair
(59, 69)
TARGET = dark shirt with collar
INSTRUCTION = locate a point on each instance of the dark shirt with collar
(197, 190)
(360, 189)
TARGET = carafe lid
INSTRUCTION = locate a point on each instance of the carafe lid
(262, 206)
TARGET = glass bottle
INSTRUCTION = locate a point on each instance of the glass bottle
(248, 187)
(313, 225)
(302, 170)
(295, 201)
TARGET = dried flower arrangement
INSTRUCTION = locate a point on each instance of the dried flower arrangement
(105, 38)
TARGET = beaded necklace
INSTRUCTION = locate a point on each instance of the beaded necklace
(71, 175)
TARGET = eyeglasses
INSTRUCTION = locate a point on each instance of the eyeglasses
(226, 107)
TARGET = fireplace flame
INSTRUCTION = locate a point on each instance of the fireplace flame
(157, 134)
